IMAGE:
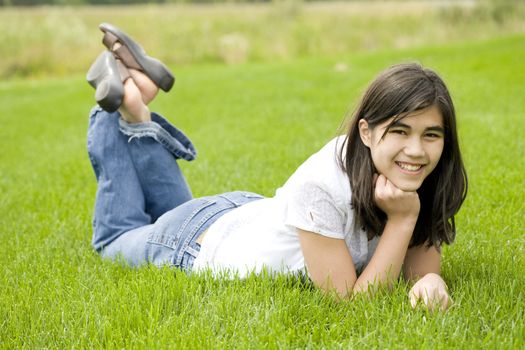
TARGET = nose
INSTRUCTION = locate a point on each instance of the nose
(414, 148)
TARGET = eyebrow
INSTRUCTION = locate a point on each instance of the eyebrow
(436, 128)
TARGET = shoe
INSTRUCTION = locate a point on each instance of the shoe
(107, 75)
(134, 56)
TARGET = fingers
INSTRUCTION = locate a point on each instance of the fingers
(432, 291)
(393, 201)
(426, 300)
(384, 186)
(413, 298)
(380, 180)
(385, 190)
(381, 189)
(445, 300)
(417, 294)
(442, 300)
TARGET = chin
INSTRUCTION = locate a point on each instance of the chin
(408, 187)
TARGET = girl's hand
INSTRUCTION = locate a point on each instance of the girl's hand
(432, 290)
(396, 203)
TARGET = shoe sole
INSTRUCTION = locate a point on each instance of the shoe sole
(152, 67)
(104, 76)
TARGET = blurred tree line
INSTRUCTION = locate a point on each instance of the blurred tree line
(112, 2)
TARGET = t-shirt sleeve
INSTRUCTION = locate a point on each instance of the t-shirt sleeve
(312, 208)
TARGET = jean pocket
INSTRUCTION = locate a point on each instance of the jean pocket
(170, 228)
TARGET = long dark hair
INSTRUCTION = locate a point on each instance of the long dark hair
(397, 92)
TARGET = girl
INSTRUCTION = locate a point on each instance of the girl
(369, 205)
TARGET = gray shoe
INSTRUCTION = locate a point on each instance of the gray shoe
(134, 56)
(107, 75)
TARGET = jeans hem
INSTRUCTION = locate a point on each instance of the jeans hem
(171, 138)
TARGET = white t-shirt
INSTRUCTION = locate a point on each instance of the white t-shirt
(263, 233)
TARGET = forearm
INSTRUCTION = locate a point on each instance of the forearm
(420, 261)
(386, 263)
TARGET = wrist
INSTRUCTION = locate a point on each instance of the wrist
(407, 221)
(434, 279)
(435, 276)
(399, 227)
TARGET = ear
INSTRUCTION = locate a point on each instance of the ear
(365, 132)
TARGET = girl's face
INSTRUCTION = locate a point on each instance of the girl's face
(409, 150)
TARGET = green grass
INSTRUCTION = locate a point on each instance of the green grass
(45, 41)
(253, 125)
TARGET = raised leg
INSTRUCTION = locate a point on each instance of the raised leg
(154, 147)
(137, 172)
(120, 203)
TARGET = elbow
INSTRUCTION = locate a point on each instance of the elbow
(341, 288)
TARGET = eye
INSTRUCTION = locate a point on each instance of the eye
(433, 135)
(398, 131)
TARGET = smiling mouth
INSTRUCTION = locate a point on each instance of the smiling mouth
(409, 167)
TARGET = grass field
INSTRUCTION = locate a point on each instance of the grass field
(59, 41)
(253, 125)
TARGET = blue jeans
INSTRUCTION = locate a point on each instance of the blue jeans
(144, 211)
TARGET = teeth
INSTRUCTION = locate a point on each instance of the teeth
(409, 167)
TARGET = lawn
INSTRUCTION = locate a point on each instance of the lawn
(253, 125)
